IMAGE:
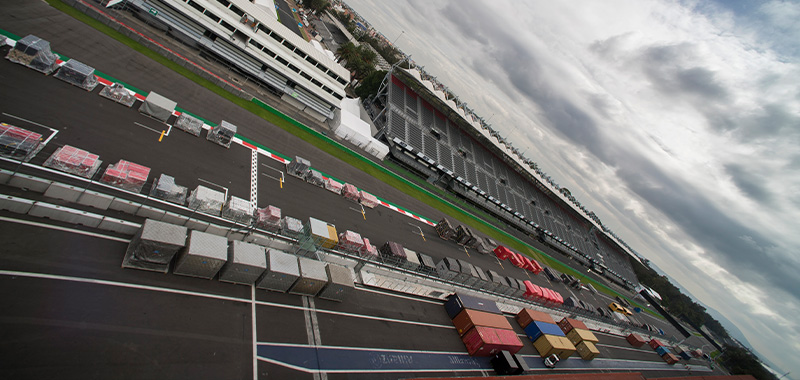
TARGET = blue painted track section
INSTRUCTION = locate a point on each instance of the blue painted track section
(344, 359)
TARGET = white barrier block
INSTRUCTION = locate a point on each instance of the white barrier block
(173, 218)
(124, 205)
(25, 181)
(65, 214)
(119, 225)
(63, 192)
(14, 204)
(235, 236)
(96, 200)
(150, 212)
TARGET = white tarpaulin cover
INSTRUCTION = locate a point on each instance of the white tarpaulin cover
(357, 131)
(33, 52)
(78, 74)
(158, 106)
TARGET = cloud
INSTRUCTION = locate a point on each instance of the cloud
(676, 123)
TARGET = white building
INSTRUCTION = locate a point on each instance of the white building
(249, 36)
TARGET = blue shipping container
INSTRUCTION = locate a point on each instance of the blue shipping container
(535, 329)
(457, 302)
(685, 355)
(661, 351)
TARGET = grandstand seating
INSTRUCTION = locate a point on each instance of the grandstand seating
(414, 121)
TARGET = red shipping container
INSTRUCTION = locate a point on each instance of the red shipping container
(567, 324)
(487, 341)
(502, 252)
(636, 340)
(526, 316)
(655, 343)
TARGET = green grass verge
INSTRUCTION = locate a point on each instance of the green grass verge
(341, 152)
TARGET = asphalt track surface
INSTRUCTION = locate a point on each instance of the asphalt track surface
(62, 326)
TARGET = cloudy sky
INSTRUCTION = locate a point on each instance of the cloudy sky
(677, 122)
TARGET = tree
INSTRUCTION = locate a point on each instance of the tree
(370, 85)
(742, 362)
(318, 5)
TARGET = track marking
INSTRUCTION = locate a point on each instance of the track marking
(220, 186)
(146, 127)
(397, 295)
(253, 330)
(353, 348)
(254, 179)
(65, 229)
(28, 121)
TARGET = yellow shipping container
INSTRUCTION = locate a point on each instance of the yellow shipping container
(551, 344)
(587, 350)
(579, 335)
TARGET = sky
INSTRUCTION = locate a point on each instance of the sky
(676, 122)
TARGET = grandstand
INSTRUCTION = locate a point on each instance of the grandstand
(430, 134)
(248, 36)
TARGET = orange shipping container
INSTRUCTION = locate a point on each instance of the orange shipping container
(587, 350)
(579, 335)
(526, 316)
(568, 324)
(670, 358)
(467, 319)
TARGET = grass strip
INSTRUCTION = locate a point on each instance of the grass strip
(339, 151)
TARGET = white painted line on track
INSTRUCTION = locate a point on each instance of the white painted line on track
(353, 348)
(624, 348)
(397, 295)
(65, 229)
(146, 127)
(253, 330)
(316, 371)
(212, 183)
(118, 284)
(28, 121)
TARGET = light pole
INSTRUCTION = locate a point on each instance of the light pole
(398, 37)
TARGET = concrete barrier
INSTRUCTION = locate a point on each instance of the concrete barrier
(119, 225)
(14, 204)
(217, 230)
(65, 192)
(96, 200)
(150, 212)
(124, 205)
(173, 218)
(5, 175)
(65, 214)
(196, 225)
(24, 181)
(269, 242)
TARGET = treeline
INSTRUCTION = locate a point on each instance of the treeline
(676, 302)
(740, 361)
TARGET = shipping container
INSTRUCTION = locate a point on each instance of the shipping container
(154, 246)
(204, 255)
(487, 341)
(467, 319)
(568, 324)
(661, 351)
(548, 345)
(282, 271)
(535, 329)
(322, 234)
(246, 263)
(448, 269)
(526, 316)
(655, 343)
(504, 363)
(580, 335)
(313, 277)
(587, 350)
(458, 302)
(670, 358)
(340, 283)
